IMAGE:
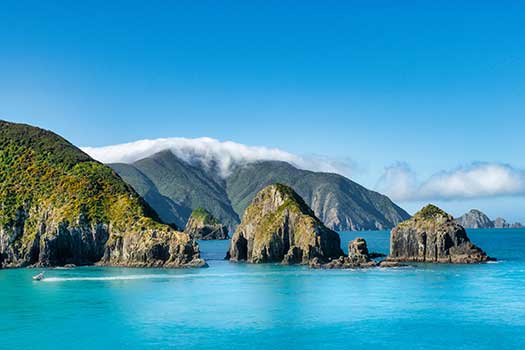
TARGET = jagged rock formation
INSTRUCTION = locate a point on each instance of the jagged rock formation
(475, 219)
(432, 235)
(358, 257)
(278, 226)
(516, 225)
(174, 188)
(58, 206)
(202, 225)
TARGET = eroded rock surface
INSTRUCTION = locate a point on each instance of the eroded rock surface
(278, 226)
(432, 235)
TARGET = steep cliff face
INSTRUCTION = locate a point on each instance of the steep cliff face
(432, 235)
(475, 219)
(203, 225)
(58, 206)
(279, 227)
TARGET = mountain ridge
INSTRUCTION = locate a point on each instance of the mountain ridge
(338, 201)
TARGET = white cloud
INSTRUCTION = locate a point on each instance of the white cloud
(398, 181)
(473, 181)
(211, 152)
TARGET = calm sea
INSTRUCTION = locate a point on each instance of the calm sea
(241, 306)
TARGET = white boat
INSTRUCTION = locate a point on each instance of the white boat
(39, 277)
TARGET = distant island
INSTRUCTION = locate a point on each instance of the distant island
(477, 219)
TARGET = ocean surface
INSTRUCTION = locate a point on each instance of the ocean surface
(242, 306)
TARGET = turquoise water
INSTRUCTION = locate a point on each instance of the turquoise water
(273, 307)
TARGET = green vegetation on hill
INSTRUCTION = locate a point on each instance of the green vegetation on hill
(40, 168)
(54, 197)
(168, 210)
(339, 202)
(429, 212)
(174, 187)
(204, 217)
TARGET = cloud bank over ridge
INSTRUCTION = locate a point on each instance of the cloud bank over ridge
(223, 155)
(399, 181)
(476, 180)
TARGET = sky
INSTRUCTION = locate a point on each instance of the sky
(421, 100)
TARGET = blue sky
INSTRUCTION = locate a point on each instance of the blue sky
(423, 87)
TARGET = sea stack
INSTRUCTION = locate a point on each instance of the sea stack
(278, 226)
(203, 225)
(433, 236)
(358, 257)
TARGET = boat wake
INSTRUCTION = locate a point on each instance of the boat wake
(172, 276)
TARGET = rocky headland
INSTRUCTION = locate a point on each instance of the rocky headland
(203, 225)
(433, 236)
(60, 207)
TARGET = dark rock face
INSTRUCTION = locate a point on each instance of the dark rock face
(81, 244)
(475, 219)
(358, 257)
(432, 235)
(202, 225)
(84, 243)
(279, 227)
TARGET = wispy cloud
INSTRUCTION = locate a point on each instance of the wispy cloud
(476, 180)
(211, 152)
